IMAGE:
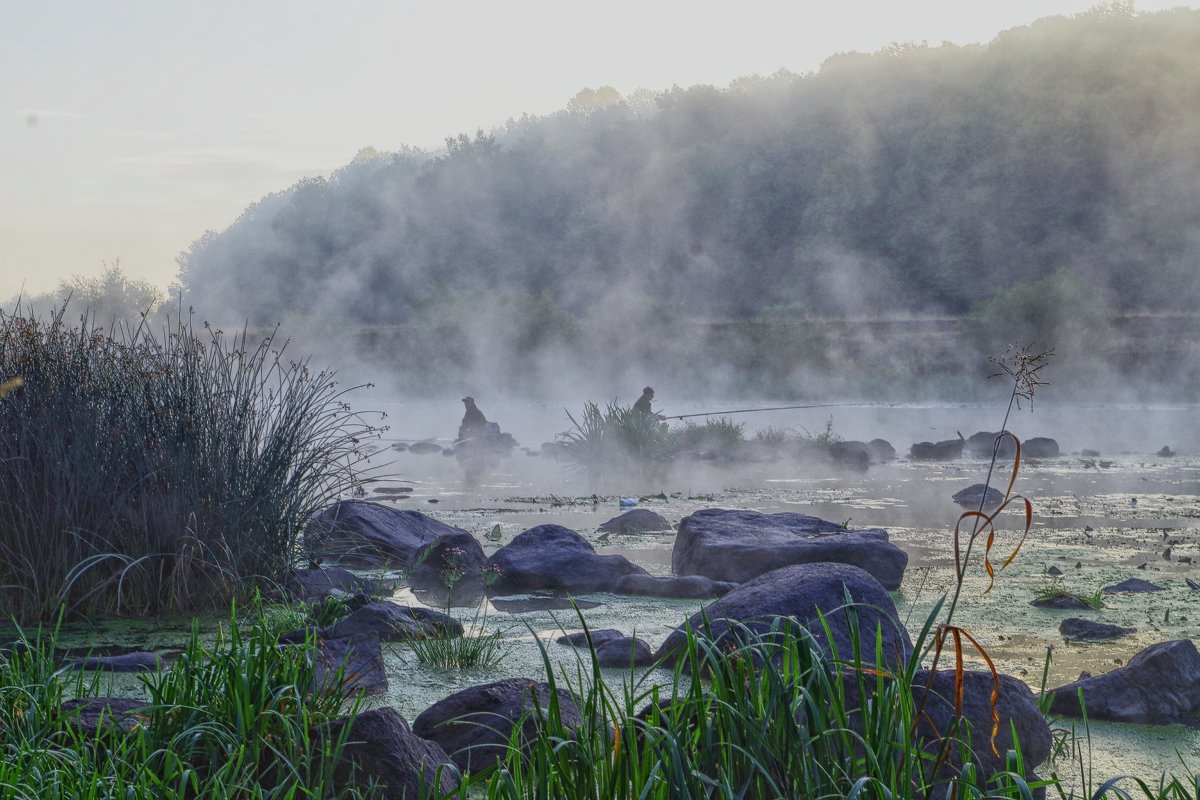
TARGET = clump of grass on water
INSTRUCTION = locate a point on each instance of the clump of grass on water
(618, 440)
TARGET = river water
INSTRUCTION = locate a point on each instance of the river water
(1098, 519)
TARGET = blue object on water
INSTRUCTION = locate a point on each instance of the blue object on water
(628, 501)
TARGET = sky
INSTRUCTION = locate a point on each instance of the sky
(130, 127)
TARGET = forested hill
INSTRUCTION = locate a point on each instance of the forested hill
(918, 178)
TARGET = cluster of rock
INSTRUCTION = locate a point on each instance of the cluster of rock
(714, 550)
(984, 444)
(755, 568)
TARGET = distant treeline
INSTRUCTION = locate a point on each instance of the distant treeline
(1040, 184)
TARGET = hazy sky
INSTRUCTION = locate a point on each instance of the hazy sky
(129, 127)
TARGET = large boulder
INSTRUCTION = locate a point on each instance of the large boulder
(853, 456)
(881, 451)
(449, 572)
(949, 450)
(739, 545)
(1040, 447)
(357, 533)
(808, 594)
(475, 725)
(556, 558)
(382, 750)
(1016, 708)
(313, 584)
(983, 444)
(361, 662)
(1159, 685)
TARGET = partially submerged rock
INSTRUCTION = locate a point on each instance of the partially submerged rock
(556, 558)
(316, 583)
(475, 725)
(358, 533)
(1088, 630)
(1132, 586)
(638, 520)
(971, 497)
(681, 587)
(597, 638)
(388, 622)
(949, 450)
(382, 750)
(738, 545)
(126, 662)
(624, 652)
(814, 596)
(1159, 685)
(360, 660)
(1015, 706)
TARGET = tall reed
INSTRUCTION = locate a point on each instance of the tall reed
(144, 472)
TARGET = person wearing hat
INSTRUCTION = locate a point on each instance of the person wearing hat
(643, 403)
(474, 423)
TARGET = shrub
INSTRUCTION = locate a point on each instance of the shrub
(618, 440)
(142, 473)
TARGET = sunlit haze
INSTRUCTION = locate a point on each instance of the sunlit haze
(129, 129)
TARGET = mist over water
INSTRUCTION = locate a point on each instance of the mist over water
(1109, 428)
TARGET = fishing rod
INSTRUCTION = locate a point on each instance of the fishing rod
(773, 408)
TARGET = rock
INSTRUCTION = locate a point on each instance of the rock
(316, 583)
(1054, 572)
(126, 662)
(854, 456)
(475, 725)
(738, 545)
(598, 638)
(639, 520)
(1086, 629)
(358, 533)
(937, 451)
(383, 750)
(970, 497)
(449, 572)
(92, 716)
(983, 443)
(801, 592)
(388, 622)
(1061, 601)
(624, 652)
(1159, 685)
(1132, 586)
(1016, 707)
(683, 587)
(556, 558)
(1040, 447)
(525, 605)
(1166, 452)
(363, 659)
(400, 447)
(425, 448)
(881, 451)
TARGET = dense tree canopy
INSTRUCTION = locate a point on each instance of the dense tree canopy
(916, 180)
